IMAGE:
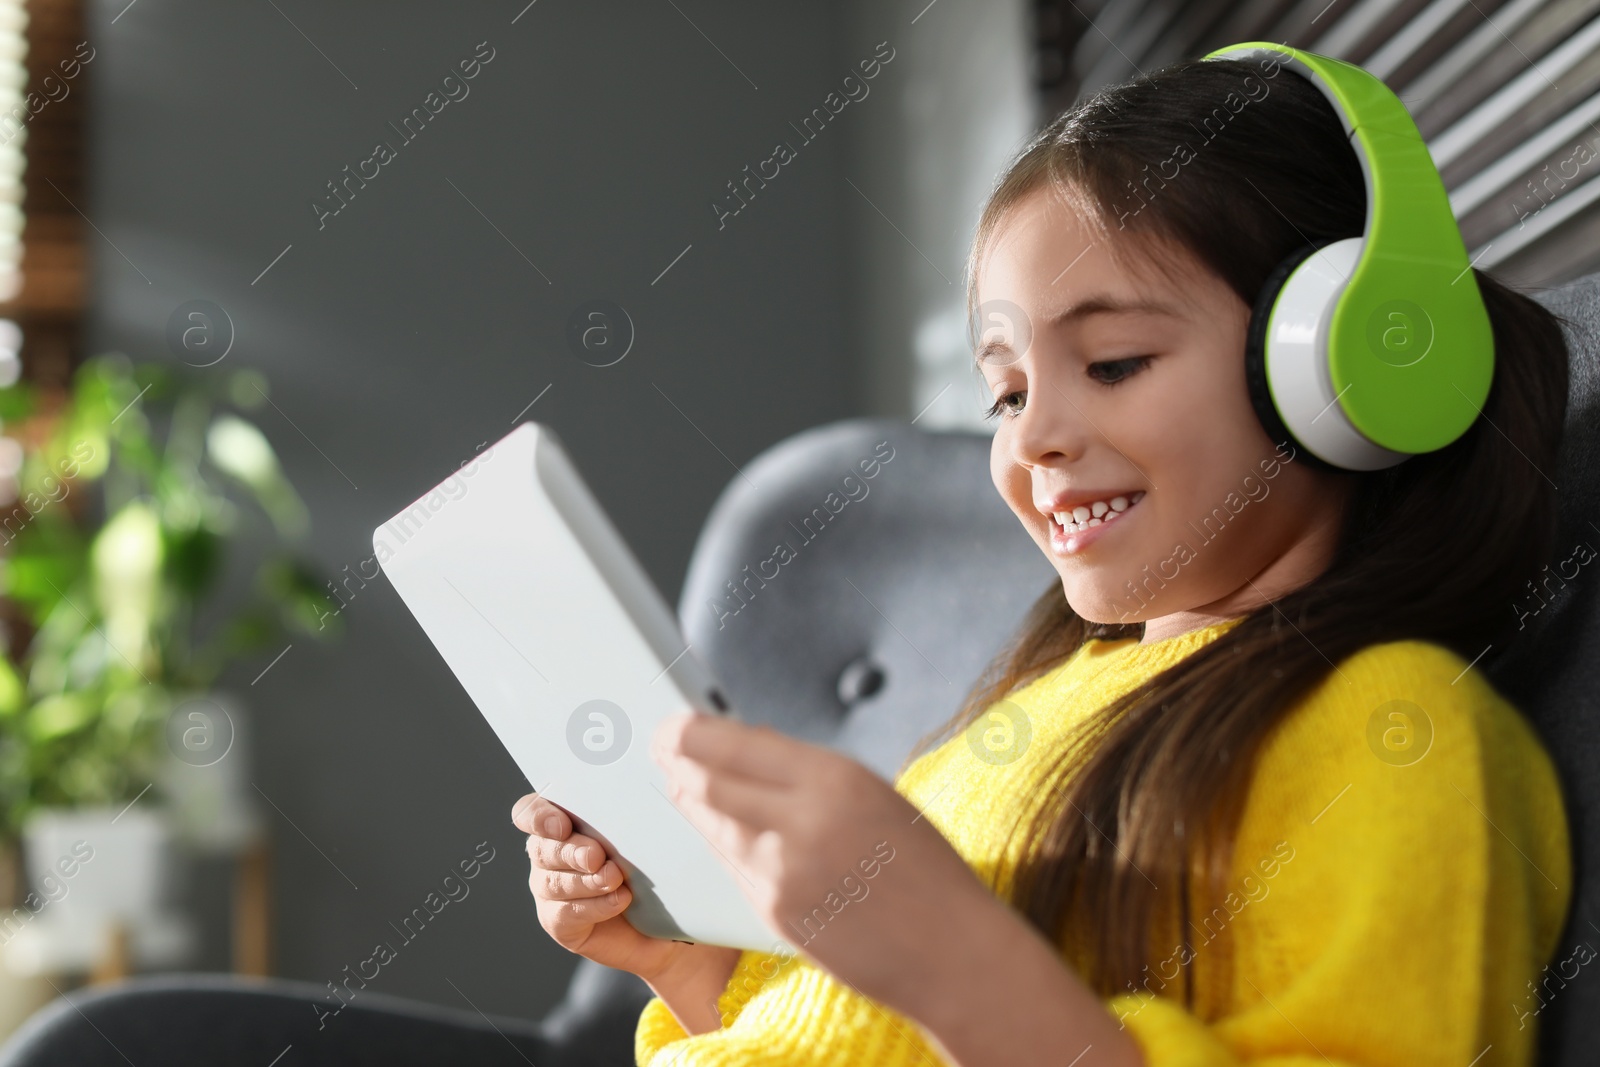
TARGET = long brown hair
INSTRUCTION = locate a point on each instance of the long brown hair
(1437, 548)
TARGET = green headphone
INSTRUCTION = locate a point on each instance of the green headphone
(1369, 350)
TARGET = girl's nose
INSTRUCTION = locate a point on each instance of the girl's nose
(1051, 430)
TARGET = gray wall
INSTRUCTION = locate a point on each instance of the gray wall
(962, 105)
(407, 330)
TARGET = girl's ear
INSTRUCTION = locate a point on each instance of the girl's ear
(1255, 344)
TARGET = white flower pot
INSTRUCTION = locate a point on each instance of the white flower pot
(88, 871)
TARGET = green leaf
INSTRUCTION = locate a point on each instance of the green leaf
(193, 559)
(241, 451)
(59, 715)
(12, 693)
(38, 580)
(247, 389)
(303, 602)
(17, 401)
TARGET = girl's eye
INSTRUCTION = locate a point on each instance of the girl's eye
(1123, 369)
(1132, 365)
(999, 405)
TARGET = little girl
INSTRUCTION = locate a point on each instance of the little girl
(1239, 791)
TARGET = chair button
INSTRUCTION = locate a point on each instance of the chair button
(860, 679)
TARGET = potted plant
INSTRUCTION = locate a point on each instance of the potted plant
(110, 545)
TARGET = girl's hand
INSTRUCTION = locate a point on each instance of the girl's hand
(581, 895)
(833, 859)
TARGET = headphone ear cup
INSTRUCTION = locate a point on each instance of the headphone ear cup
(1255, 358)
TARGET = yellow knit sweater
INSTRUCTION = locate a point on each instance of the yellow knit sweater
(1390, 909)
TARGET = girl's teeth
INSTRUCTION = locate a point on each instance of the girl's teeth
(1084, 516)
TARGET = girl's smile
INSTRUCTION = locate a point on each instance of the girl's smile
(1073, 529)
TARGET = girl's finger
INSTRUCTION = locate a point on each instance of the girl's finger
(574, 885)
(577, 853)
(756, 804)
(533, 814)
(756, 752)
(732, 837)
(566, 920)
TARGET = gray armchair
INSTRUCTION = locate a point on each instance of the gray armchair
(894, 592)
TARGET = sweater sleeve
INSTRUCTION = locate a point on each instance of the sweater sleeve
(1401, 874)
(658, 1027)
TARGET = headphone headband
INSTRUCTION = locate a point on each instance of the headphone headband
(1409, 350)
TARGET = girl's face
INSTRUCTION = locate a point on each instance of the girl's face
(1124, 394)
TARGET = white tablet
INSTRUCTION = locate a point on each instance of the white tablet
(560, 638)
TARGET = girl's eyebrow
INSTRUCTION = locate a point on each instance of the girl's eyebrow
(1096, 304)
(1101, 303)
